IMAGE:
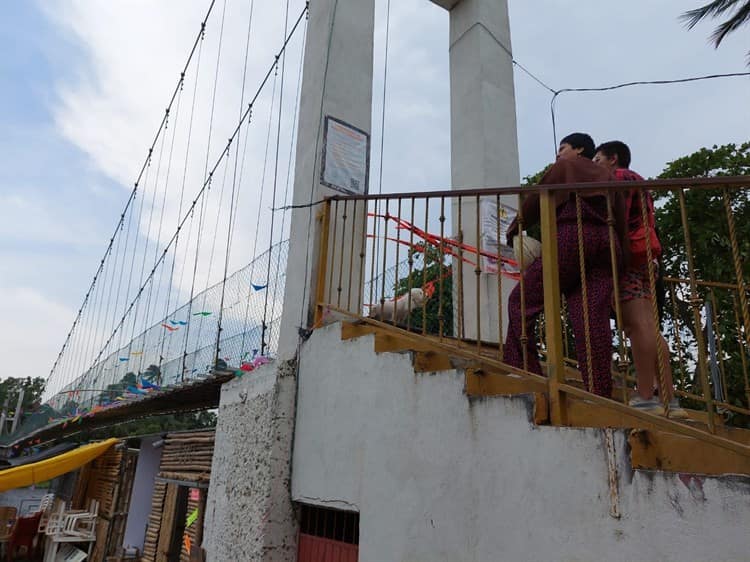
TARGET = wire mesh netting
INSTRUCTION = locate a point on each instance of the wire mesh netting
(187, 343)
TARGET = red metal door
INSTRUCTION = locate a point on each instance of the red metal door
(319, 549)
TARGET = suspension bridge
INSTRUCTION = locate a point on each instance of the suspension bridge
(189, 288)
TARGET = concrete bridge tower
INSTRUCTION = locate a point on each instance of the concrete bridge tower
(338, 71)
(250, 514)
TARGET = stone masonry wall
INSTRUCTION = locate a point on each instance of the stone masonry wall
(249, 515)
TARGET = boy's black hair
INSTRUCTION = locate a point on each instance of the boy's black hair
(581, 140)
(616, 148)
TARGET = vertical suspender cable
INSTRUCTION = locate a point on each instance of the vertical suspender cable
(208, 177)
(293, 138)
(232, 208)
(264, 326)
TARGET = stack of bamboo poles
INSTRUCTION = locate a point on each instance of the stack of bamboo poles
(186, 457)
(100, 480)
(154, 523)
(105, 481)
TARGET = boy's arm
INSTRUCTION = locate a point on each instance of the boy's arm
(557, 173)
(621, 227)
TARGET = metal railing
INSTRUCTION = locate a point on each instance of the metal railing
(436, 270)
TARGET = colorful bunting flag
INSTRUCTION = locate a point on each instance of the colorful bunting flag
(149, 385)
(191, 518)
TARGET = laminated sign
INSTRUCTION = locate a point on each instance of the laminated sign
(346, 157)
(496, 220)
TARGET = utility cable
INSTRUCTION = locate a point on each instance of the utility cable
(556, 93)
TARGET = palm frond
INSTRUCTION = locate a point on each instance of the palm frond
(737, 20)
(712, 9)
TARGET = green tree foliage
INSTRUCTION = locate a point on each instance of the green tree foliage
(535, 230)
(436, 271)
(736, 12)
(38, 415)
(158, 424)
(10, 387)
(33, 414)
(534, 179)
(712, 258)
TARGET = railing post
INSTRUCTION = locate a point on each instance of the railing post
(695, 301)
(320, 285)
(552, 306)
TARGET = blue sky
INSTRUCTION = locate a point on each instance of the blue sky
(54, 205)
(85, 82)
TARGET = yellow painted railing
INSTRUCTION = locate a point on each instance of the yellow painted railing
(430, 264)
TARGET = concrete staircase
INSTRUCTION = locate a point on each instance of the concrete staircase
(651, 447)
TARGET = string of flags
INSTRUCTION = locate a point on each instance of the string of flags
(251, 365)
(249, 361)
(258, 287)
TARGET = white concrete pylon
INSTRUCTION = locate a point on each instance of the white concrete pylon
(337, 82)
(484, 141)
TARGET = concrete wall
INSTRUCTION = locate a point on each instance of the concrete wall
(484, 142)
(337, 81)
(249, 514)
(438, 477)
(143, 489)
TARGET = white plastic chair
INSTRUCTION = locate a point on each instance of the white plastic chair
(82, 525)
(46, 506)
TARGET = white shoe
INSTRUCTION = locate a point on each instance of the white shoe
(676, 412)
(652, 405)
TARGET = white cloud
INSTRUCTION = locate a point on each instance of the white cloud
(32, 331)
(112, 99)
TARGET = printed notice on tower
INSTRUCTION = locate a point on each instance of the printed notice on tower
(346, 157)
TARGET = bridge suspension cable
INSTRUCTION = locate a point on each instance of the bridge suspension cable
(130, 199)
(123, 282)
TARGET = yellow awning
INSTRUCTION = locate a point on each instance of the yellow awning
(26, 475)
